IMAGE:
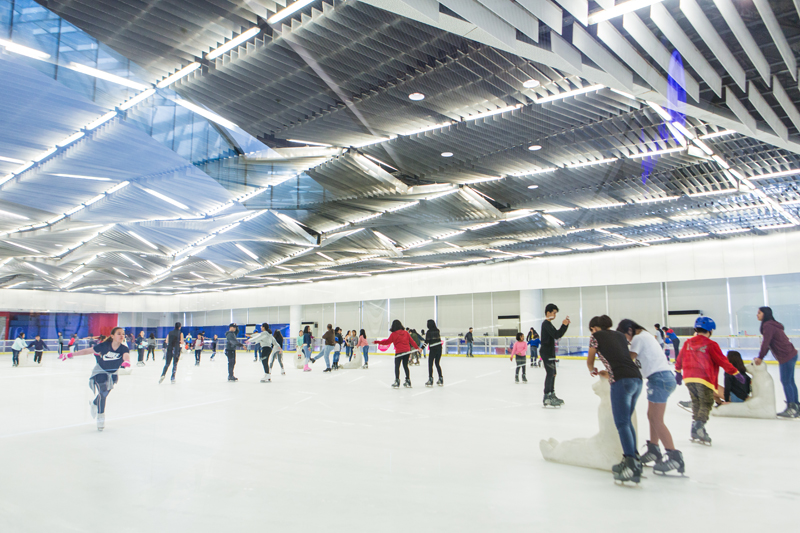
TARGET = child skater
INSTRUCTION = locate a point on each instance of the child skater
(519, 349)
(434, 342)
(402, 346)
(111, 355)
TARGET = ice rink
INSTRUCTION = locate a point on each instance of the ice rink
(318, 452)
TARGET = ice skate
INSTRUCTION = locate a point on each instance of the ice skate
(652, 455)
(550, 400)
(516, 379)
(791, 411)
(440, 382)
(672, 461)
(101, 421)
(161, 380)
(364, 366)
(140, 363)
(524, 379)
(172, 381)
(306, 368)
(686, 406)
(93, 408)
(233, 378)
(630, 469)
(327, 370)
(407, 383)
(699, 433)
(266, 378)
(558, 401)
(429, 383)
(283, 372)
(396, 384)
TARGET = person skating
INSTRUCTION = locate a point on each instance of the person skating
(547, 352)
(626, 386)
(518, 350)
(647, 352)
(151, 347)
(61, 343)
(338, 339)
(141, 344)
(402, 346)
(698, 366)
(674, 340)
(214, 342)
(277, 351)
(264, 339)
(231, 343)
(534, 342)
(329, 337)
(18, 346)
(174, 342)
(198, 347)
(307, 341)
(469, 339)
(38, 346)
(110, 355)
(363, 343)
(775, 340)
(434, 342)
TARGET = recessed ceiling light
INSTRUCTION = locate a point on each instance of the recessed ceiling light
(534, 147)
(533, 186)
(447, 154)
(530, 84)
(416, 96)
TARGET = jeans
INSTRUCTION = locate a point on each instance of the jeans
(366, 354)
(15, 357)
(348, 351)
(624, 393)
(787, 379)
(659, 386)
(307, 352)
(336, 355)
(676, 345)
(469, 349)
(278, 352)
(231, 355)
(141, 354)
(326, 351)
(196, 356)
(172, 357)
(433, 359)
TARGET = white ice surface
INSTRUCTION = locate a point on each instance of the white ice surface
(342, 451)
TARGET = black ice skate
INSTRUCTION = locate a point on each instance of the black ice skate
(699, 433)
(407, 383)
(429, 383)
(396, 384)
(630, 469)
(440, 382)
(652, 455)
(550, 400)
(672, 461)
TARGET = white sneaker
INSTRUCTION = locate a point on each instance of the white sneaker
(101, 422)
(93, 409)
(266, 378)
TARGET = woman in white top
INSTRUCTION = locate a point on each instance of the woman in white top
(18, 346)
(198, 348)
(645, 350)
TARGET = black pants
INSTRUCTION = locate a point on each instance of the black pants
(172, 357)
(37, 357)
(520, 359)
(550, 367)
(435, 357)
(231, 355)
(141, 354)
(401, 359)
(265, 351)
(151, 350)
(676, 344)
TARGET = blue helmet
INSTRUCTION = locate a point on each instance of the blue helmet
(705, 323)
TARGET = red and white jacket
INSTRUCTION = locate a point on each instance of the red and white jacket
(700, 360)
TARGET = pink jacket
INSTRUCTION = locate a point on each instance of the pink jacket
(362, 341)
(519, 348)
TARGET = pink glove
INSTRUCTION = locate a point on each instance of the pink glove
(126, 364)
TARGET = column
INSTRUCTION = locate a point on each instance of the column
(295, 319)
(531, 309)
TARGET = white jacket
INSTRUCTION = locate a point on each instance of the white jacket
(19, 344)
(264, 338)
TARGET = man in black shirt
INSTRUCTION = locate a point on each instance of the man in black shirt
(231, 343)
(469, 340)
(547, 351)
(174, 343)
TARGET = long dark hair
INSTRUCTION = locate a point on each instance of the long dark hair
(431, 324)
(396, 326)
(363, 333)
(627, 326)
(735, 358)
(307, 329)
(767, 311)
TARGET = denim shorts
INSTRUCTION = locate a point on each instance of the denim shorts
(659, 386)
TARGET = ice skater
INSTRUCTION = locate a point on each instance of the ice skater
(698, 366)
(548, 354)
(277, 351)
(402, 346)
(151, 347)
(519, 349)
(363, 344)
(534, 342)
(174, 342)
(337, 347)
(198, 347)
(110, 355)
(231, 343)
(18, 346)
(264, 339)
(308, 338)
(647, 352)
(774, 339)
(141, 344)
(434, 342)
(329, 338)
(626, 386)
(214, 342)
(38, 346)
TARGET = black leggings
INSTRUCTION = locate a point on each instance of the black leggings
(401, 359)
(141, 354)
(265, 351)
(37, 357)
(172, 357)
(550, 381)
(434, 358)
(151, 350)
(520, 359)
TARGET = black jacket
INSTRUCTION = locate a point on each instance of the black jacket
(37, 346)
(548, 338)
(468, 337)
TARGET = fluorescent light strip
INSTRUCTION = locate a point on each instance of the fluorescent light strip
(325, 256)
(656, 152)
(777, 226)
(711, 193)
(139, 237)
(681, 128)
(11, 160)
(165, 198)
(298, 141)
(776, 174)
(71, 139)
(102, 120)
(185, 71)
(75, 176)
(213, 117)
(23, 50)
(121, 272)
(653, 200)
(289, 10)
(233, 43)
(137, 99)
(376, 160)
(703, 146)
(46, 153)
(13, 215)
(215, 266)
(590, 163)
(493, 112)
(661, 112)
(22, 246)
(131, 260)
(729, 231)
(575, 92)
(604, 206)
(620, 9)
(553, 220)
(248, 252)
(693, 236)
(717, 134)
(534, 172)
(721, 162)
(97, 73)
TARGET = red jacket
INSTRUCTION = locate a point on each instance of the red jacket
(700, 359)
(401, 340)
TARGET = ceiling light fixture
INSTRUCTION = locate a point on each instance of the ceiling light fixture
(215, 266)
(233, 43)
(721, 162)
(142, 239)
(718, 134)
(663, 113)
(165, 198)
(289, 10)
(71, 139)
(656, 152)
(103, 75)
(590, 163)
(681, 128)
(447, 154)
(248, 252)
(45, 154)
(142, 96)
(23, 50)
(692, 236)
(121, 272)
(310, 143)
(533, 186)
(416, 97)
(703, 146)
(325, 256)
(185, 71)
(729, 231)
(711, 193)
(567, 94)
(533, 172)
(534, 147)
(553, 220)
(13, 215)
(620, 9)
(530, 84)
(11, 160)
(776, 174)
(604, 206)
(376, 160)
(102, 120)
(210, 115)
(22, 246)
(75, 176)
